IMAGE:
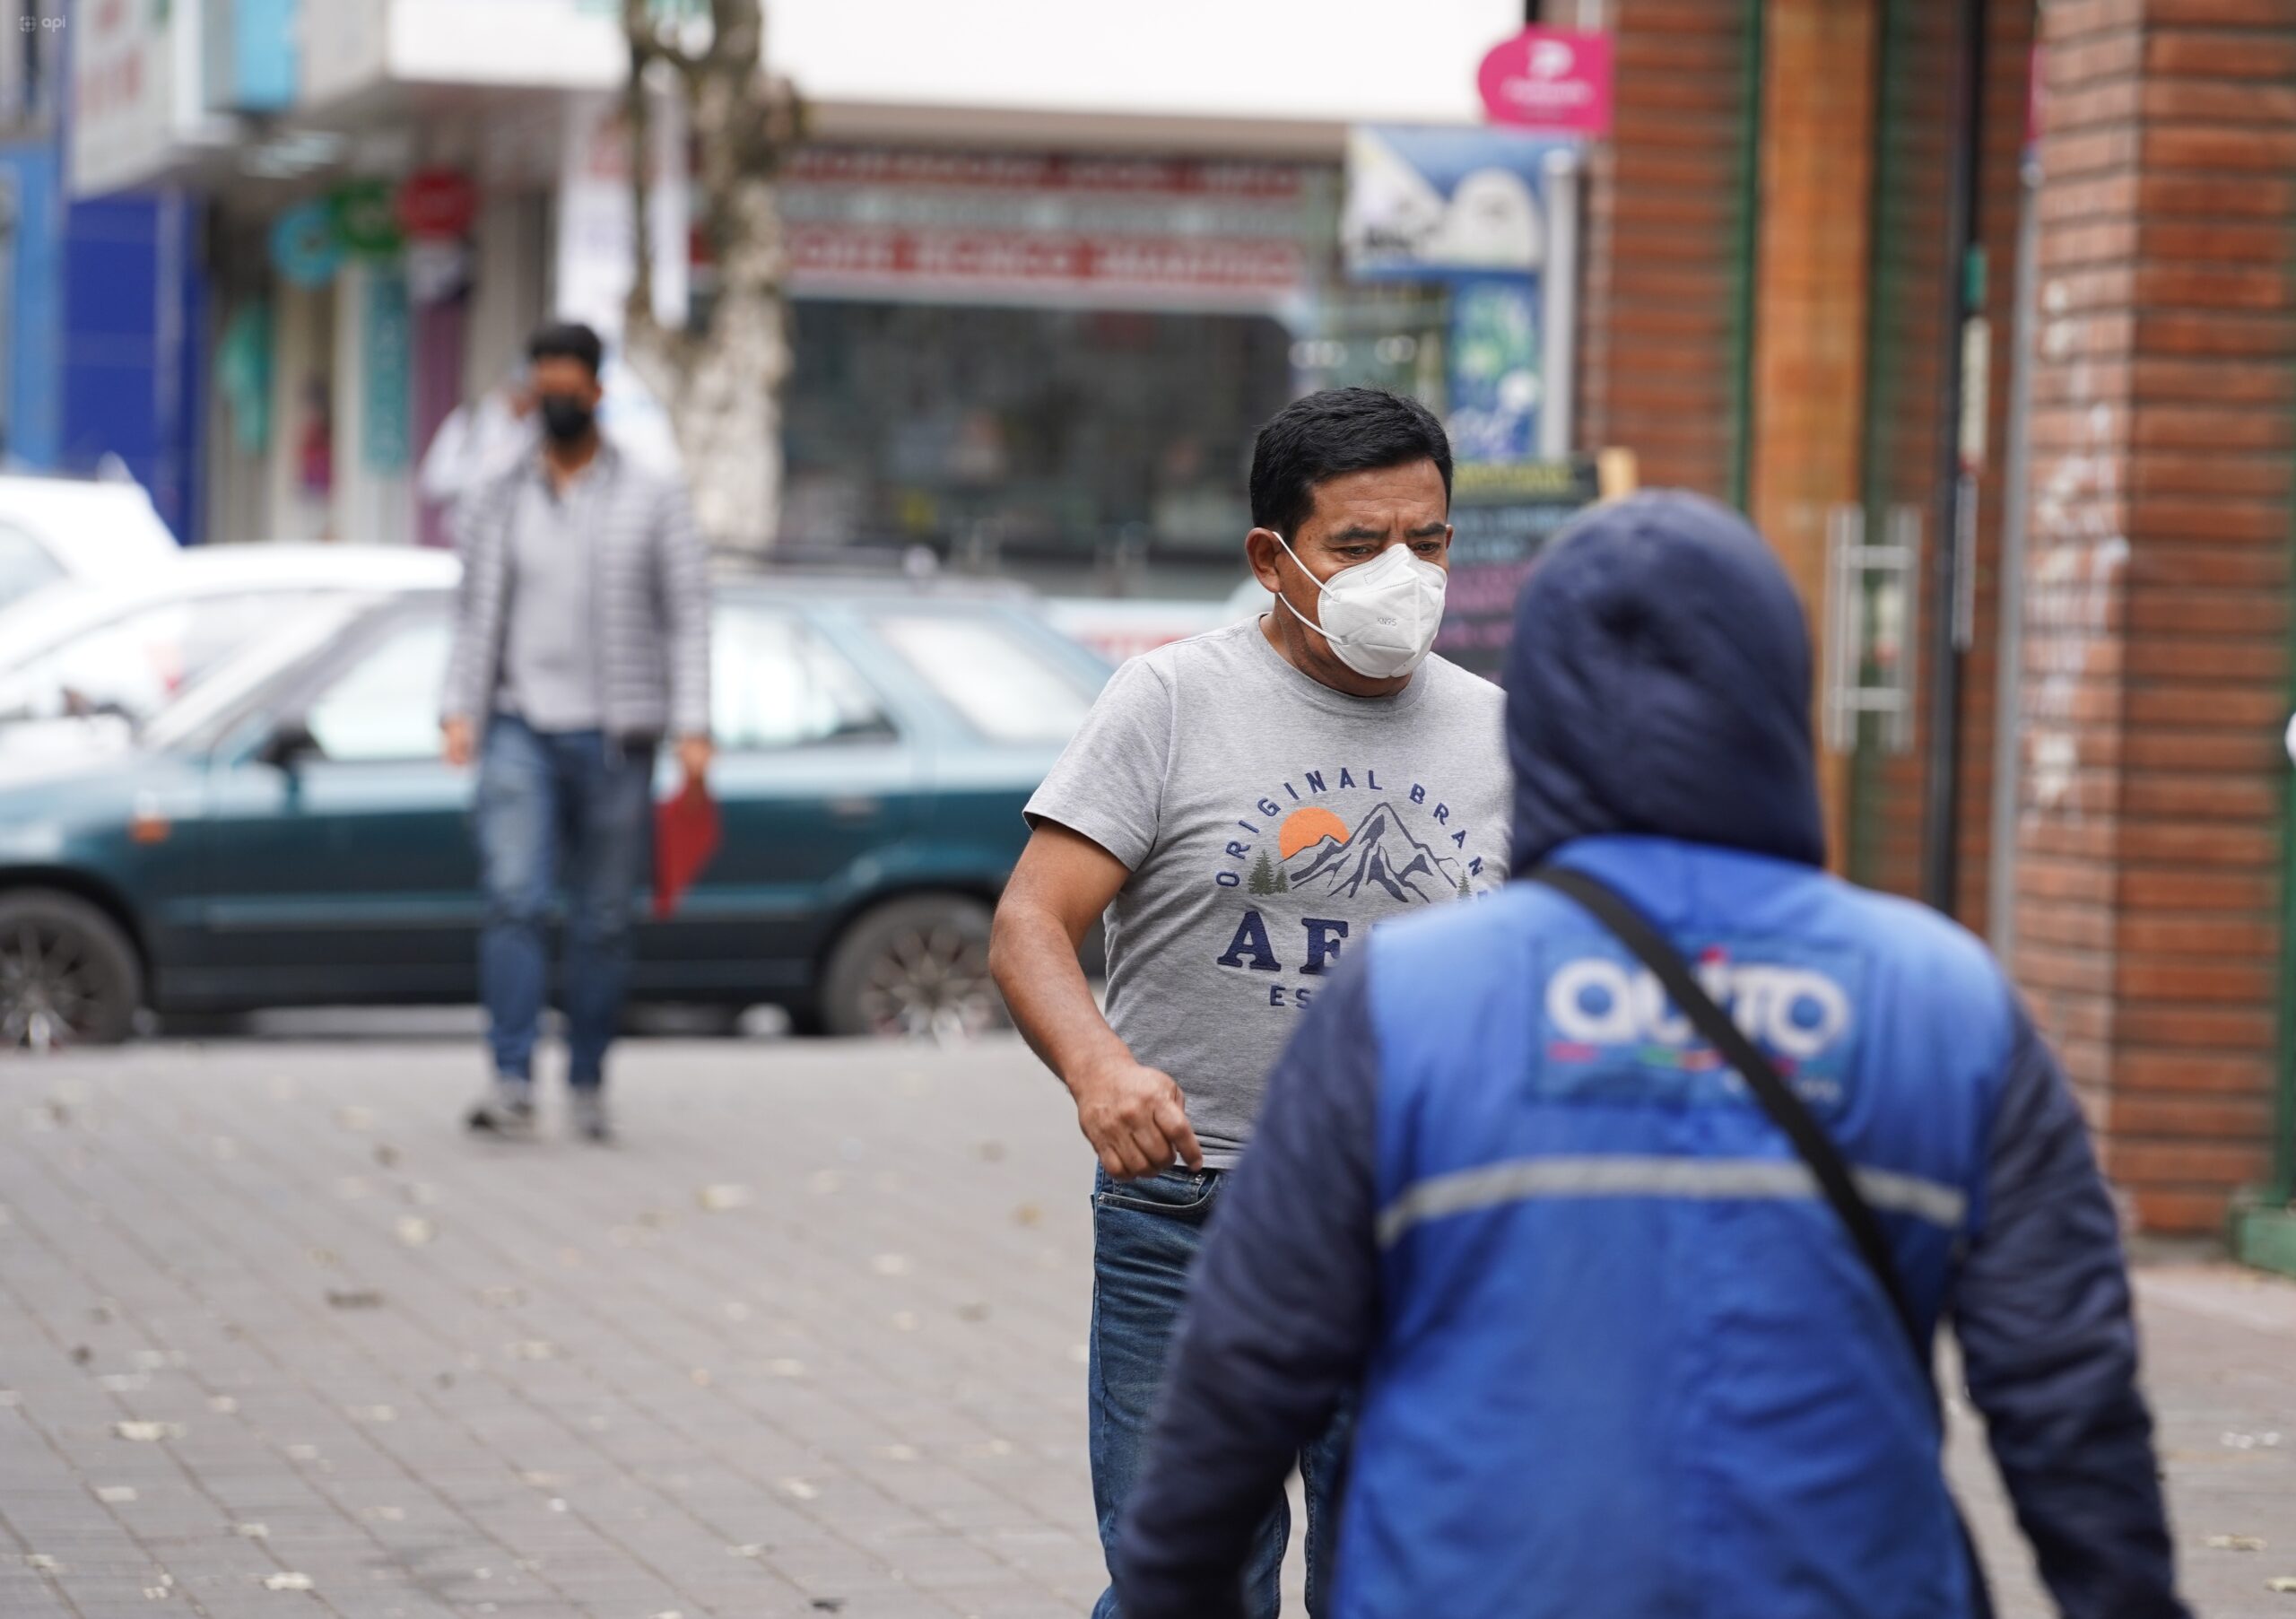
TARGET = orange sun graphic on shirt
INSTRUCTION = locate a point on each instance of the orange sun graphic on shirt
(1307, 827)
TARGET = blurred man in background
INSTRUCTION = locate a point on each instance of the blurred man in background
(582, 640)
(1244, 806)
(1611, 1352)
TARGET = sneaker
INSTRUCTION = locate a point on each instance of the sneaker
(507, 1108)
(587, 1108)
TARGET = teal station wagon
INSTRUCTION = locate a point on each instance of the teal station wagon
(287, 835)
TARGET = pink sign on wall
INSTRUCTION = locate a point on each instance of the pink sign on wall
(1550, 78)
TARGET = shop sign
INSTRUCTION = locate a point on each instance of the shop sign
(122, 93)
(437, 203)
(596, 256)
(1426, 203)
(305, 250)
(1495, 372)
(1099, 232)
(365, 219)
(1502, 518)
(1550, 78)
(386, 412)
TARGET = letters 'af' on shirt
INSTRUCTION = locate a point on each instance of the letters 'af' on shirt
(1269, 823)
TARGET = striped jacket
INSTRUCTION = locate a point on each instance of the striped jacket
(652, 599)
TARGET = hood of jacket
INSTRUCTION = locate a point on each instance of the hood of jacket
(1658, 684)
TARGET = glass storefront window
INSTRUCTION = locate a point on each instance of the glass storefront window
(1025, 440)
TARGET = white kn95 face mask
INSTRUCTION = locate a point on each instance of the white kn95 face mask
(1380, 616)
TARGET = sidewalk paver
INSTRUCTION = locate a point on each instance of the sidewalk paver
(811, 1340)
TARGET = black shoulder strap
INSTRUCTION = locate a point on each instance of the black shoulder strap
(1787, 1110)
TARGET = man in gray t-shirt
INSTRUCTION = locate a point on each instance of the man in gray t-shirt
(1245, 807)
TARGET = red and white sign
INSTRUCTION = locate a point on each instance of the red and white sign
(1550, 78)
(436, 204)
(124, 103)
(1096, 232)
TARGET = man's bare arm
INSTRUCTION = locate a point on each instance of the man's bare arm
(1134, 1115)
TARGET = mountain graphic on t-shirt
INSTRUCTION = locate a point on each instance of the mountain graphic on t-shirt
(1378, 852)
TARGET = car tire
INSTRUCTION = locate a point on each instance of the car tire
(914, 968)
(68, 974)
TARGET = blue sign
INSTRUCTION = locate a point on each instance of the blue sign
(1432, 203)
(304, 247)
(386, 346)
(1495, 372)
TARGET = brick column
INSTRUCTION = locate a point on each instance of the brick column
(2157, 612)
(1667, 217)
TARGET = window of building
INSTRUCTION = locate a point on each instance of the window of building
(1019, 436)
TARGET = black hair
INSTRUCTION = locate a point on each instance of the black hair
(1340, 430)
(567, 340)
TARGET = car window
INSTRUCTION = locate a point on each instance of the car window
(384, 706)
(25, 564)
(1005, 685)
(136, 663)
(775, 684)
(210, 706)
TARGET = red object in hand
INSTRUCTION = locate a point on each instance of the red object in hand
(685, 835)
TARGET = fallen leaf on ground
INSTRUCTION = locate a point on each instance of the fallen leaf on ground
(2236, 1543)
(2286, 1585)
(799, 1488)
(414, 1230)
(720, 1199)
(1028, 1214)
(252, 1531)
(289, 1581)
(148, 1432)
(41, 1563)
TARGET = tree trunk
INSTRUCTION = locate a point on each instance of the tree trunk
(722, 384)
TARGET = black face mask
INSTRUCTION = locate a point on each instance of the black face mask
(565, 418)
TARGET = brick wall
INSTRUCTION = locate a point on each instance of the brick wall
(2157, 626)
(1657, 371)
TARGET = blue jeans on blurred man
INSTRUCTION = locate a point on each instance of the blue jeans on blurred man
(575, 804)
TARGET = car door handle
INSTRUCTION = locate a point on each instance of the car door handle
(856, 809)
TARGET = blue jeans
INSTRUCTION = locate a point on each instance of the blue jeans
(1145, 1234)
(548, 799)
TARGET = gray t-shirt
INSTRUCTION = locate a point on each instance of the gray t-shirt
(1269, 822)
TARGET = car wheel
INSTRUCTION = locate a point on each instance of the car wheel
(68, 975)
(914, 968)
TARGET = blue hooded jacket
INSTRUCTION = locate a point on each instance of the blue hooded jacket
(1609, 1351)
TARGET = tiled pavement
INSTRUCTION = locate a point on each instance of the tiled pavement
(276, 1338)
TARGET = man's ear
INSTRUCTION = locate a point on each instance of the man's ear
(1262, 552)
